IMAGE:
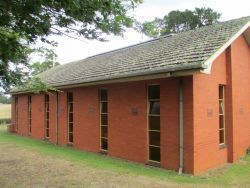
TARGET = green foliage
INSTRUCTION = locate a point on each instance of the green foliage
(178, 21)
(4, 99)
(13, 57)
(24, 22)
(36, 85)
(48, 61)
(5, 121)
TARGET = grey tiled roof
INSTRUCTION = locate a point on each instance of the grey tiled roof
(183, 51)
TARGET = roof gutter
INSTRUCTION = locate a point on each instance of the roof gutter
(151, 76)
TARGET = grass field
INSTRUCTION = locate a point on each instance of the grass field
(5, 111)
(27, 162)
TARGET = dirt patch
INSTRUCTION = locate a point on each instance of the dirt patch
(25, 168)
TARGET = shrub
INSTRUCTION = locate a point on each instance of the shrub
(5, 121)
(248, 150)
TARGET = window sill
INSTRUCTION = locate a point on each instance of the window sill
(103, 152)
(223, 146)
(154, 164)
(70, 144)
(46, 139)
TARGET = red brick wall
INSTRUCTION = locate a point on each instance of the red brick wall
(240, 68)
(22, 115)
(232, 69)
(86, 119)
(37, 116)
(188, 124)
(62, 118)
(127, 132)
(128, 136)
(13, 115)
(207, 152)
(52, 119)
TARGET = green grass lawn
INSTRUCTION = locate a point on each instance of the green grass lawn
(237, 174)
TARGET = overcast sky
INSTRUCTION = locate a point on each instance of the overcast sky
(70, 50)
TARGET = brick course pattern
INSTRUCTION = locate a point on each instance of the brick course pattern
(128, 135)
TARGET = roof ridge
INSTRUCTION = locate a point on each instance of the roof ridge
(162, 37)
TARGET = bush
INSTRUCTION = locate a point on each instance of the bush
(5, 121)
(248, 151)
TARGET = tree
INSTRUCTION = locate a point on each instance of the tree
(25, 22)
(4, 99)
(178, 21)
(48, 61)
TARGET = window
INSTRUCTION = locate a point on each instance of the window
(70, 117)
(16, 112)
(29, 114)
(103, 94)
(46, 116)
(154, 123)
(222, 114)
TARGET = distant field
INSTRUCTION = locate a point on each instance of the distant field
(5, 111)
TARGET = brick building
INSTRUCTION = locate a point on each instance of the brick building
(181, 102)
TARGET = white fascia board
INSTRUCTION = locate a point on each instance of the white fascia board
(211, 59)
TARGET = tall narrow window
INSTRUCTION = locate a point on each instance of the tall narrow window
(16, 112)
(70, 117)
(29, 114)
(47, 116)
(222, 114)
(154, 123)
(104, 119)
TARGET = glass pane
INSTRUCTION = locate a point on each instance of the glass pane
(222, 139)
(47, 123)
(30, 127)
(104, 107)
(104, 119)
(104, 95)
(154, 154)
(71, 137)
(29, 99)
(47, 98)
(154, 138)
(70, 97)
(221, 91)
(221, 123)
(47, 107)
(154, 122)
(70, 106)
(154, 92)
(70, 117)
(70, 127)
(104, 144)
(104, 131)
(221, 107)
(154, 107)
(47, 132)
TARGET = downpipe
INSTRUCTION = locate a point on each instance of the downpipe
(56, 118)
(181, 135)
